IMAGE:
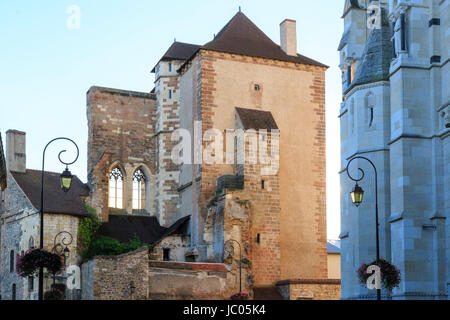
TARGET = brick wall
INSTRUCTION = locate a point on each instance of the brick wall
(167, 120)
(121, 128)
(310, 289)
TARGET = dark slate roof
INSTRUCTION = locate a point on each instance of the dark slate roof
(331, 248)
(256, 119)
(179, 51)
(55, 199)
(241, 36)
(352, 4)
(124, 227)
(376, 57)
(2, 166)
(344, 39)
(179, 227)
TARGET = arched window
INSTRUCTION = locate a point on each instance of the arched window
(116, 188)
(11, 261)
(139, 189)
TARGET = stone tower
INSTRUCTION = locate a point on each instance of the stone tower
(395, 100)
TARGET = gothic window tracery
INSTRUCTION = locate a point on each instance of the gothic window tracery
(116, 189)
(139, 184)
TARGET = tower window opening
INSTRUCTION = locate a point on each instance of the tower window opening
(139, 181)
(116, 189)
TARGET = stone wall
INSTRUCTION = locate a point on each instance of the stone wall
(314, 289)
(191, 281)
(132, 276)
(121, 133)
(20, 230)
(123, 277)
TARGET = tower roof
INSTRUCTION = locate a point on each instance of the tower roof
(241, 36)
(376, 57)
(179, 51)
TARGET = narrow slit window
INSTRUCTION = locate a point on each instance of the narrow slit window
(11, 261)
(370, 116)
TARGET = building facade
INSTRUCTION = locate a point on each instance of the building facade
(239, 81)
(395, 111)
(20, 219)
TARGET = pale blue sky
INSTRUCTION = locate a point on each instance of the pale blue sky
(46, 69)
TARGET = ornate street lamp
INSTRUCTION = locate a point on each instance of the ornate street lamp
(357, 197)
(66, 180)
(62, 247)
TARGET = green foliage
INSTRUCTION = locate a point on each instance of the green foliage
(107, 246)
(92, 244)
(87, 230)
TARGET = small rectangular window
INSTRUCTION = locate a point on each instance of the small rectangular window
(166, 254)
(30, 283)
(170, 94)
(170, 66)
(263, 184)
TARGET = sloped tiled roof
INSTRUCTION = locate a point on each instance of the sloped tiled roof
(256, 119)
(55, 199)
(2, 166)
(179, 51)
(241, 36)
(124, 227)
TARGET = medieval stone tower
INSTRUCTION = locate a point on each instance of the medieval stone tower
(395, 111)
(241, 80)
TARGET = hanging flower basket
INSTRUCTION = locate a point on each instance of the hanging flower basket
(390, 275)
(28, 264)
(239, 296)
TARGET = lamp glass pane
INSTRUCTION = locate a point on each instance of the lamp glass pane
(66, 182)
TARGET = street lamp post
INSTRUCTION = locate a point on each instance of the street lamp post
(230, 261)
(357, 197)
(66, 180)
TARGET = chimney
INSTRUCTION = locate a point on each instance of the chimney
(288, 37)
(15, 151)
